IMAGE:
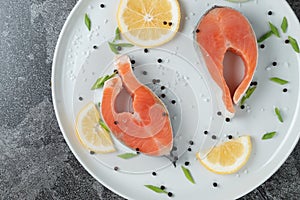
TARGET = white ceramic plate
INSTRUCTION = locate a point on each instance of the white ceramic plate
(77, 65)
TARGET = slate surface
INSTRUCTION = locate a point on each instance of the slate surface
(35, 162)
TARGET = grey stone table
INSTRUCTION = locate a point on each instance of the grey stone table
(35, 162)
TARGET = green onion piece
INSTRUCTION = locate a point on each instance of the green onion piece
(265, 36)
(124, 45)
(113, 48)
(294, 44)
(277, 111)
(127, 155)
(284, 25)
(268, 135)
(278, 80)
(188, 174)
(100, 81)
(274, 29)
(243, 100)
(117, 34)
(87, 21)
(156, 189)
(103, 125)
(250, 92)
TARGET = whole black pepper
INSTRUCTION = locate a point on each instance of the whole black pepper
(162, 187)
(186, 163)
(197, 31)
(227, 119)
(146, 50)
(173, 101)
(154, 174)
(274, 64)
(230, 137)
(116, 168)
(80, 98)
(170, 23)
(191, 142)
(205, 132)
(95, 47)
(287, 41)
(159, 60)
(189, 149)
(163, 95)
(170, 194)
(119, 48)
(214, 137)
(270, 13)
(215, 184)
(162, 87)
(219, 113)
(145, 73)
(132, 62)
(262, 46)
(102, 5)
(165, 23)
(115, 122)
(285, 90)
(92, 152)
(242, 107)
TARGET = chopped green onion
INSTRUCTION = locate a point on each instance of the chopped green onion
(127, 155)
(277, 111)
(274, 29)
(113, 47)
(103, 125)
(156, 189)
(248, 94)
(268, 135)
(124, 45)
(87, 21)
(188, 174)
(284, 25)
(100, 81)
(294, 44)
(117, 34)
(250, 91)
(278, 80)
(265, 36)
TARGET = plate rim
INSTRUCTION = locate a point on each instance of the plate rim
(267, 176)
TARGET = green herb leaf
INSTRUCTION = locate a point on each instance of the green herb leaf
(100, 81)
(117, 34)
(243, 100)
(278, 80)
(188, 174)
(277, 111)
(87, 21)
(294, 44)
(113, 48)
(268, 135)
(156, 189)
(274, 29)
(249, 92)
(127, 155)
(103, 125)
(124, 45)
(265, 36)
(284, 25)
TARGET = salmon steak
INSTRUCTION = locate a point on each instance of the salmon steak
(224, 29)
(148, 128)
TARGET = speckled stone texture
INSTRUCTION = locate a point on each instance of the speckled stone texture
(35, 162)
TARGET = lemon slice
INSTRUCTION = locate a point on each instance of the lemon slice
(228, 157)
(148, 23)
(90, 133)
